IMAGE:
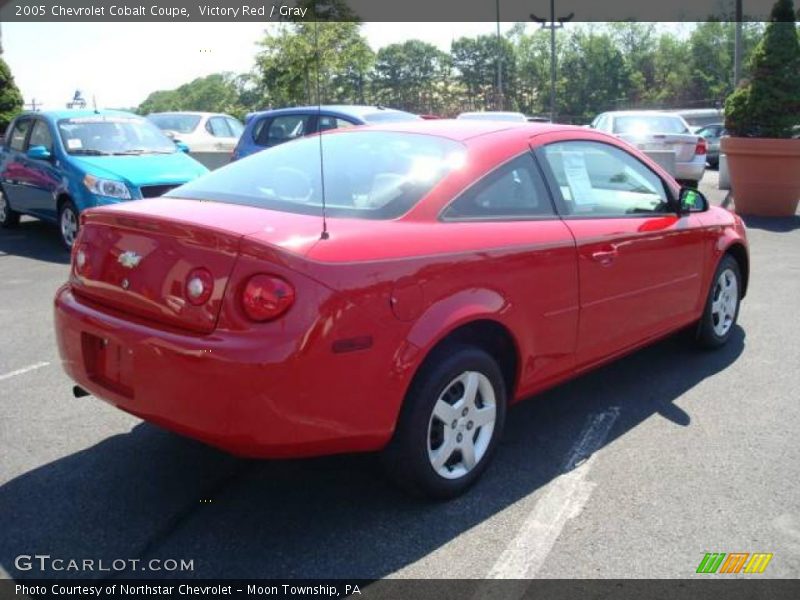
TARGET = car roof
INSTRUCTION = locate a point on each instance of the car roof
(641, 113)
(346, 110)
(194, 113)
(461, 130)
(76, 113)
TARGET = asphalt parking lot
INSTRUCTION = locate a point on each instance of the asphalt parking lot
(635, 470)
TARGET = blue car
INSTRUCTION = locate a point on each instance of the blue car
(272, 127)
(55, 164)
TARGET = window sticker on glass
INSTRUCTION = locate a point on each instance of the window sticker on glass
(580, 185)
(74, 144)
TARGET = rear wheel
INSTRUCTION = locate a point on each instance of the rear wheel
(8, 216)
(450, 425)
(722, 305)
(68, 223)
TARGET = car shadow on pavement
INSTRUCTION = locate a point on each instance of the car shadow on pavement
(149, 494)
(774, 224)
(34, 239)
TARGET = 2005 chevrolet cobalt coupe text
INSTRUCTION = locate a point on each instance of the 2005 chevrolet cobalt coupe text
(461, 266)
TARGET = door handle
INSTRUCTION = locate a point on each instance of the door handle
(605, 257)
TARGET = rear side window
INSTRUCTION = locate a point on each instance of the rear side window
(513, 190)
(326, 123)
(282, 129)
(218, 127)
(16, 141)
(367, 174)
(235, 126)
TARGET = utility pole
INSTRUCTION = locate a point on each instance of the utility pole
(34, 105)
(499, 101)
(552, 24)
(737, 45)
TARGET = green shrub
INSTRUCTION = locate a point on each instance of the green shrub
(768, 105)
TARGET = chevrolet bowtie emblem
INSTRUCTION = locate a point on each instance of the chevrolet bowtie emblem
(129, 259)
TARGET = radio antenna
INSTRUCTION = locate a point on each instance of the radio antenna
(324, 235)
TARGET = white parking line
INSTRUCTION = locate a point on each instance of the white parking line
(564, 499)
(23, 370)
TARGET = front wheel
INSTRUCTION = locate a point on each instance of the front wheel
(8, 216)
(68, 223)
(450, 425)
(722, 305)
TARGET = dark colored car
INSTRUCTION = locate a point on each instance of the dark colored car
(273, 127)
(712, 135)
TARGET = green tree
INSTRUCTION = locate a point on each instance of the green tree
(532, 56)
(476, 61)
(412, 76)
(308, 62)
(10, 96)
(768, 105)
(218, 92)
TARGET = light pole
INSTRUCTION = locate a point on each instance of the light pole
(552, 24)
(499, 101)
(737, 45)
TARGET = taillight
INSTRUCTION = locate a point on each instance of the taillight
(701, 147)
(199, 286)
(80, 259)
(266, 297)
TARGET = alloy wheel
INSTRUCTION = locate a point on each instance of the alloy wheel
(461, 425)
(69, 226)
(724, 302)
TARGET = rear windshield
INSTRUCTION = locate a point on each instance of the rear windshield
(174, 122)
(368, 174)
(388, 116)
(638, 125)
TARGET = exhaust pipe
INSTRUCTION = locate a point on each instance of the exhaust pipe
(79, 392)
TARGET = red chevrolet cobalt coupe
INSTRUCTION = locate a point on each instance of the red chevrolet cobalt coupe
(391, 288)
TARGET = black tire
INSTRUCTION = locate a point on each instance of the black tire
(709, 333)
(406, 458)
(67, 206)
(8, 216)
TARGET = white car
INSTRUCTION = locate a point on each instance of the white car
(211, 137)
(655, 131)
(494, 115)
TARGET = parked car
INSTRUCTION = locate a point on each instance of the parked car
(211, 137)
(273, 127)
(445, 270)
(712, 134)
(654, 131)
(697, 118)
(494, 115)
(55, 164)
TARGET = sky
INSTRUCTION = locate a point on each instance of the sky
(120, 64)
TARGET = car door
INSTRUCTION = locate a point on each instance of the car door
(12, 168)
(223, 139)
(527, 253)
(640, 263)
(40, 177)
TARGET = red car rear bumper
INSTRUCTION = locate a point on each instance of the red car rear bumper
(264, 400)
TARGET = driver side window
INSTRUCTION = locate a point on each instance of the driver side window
(597, 179)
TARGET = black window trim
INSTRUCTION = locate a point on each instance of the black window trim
(560, 203)
(442, 218)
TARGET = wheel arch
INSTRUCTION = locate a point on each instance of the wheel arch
(740, 255)
(489, 335)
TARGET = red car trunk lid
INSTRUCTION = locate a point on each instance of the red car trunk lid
(137, 256)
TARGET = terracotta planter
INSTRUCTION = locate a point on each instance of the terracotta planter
(764, 174)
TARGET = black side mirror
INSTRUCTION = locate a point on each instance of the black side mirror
(691, 200)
